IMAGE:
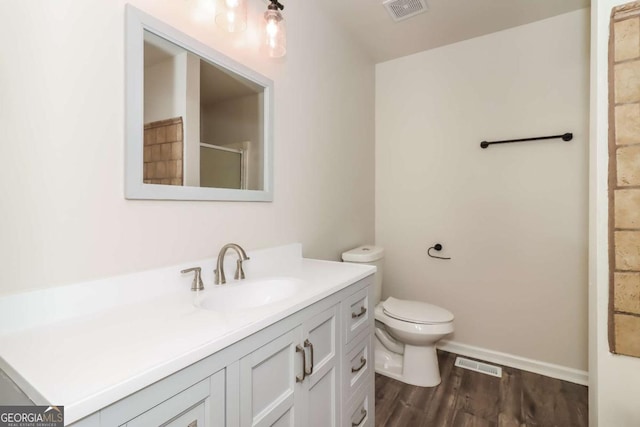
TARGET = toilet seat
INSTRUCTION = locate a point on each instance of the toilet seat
(417, 330)
(416, 312)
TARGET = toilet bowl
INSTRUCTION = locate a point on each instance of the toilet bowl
(405, 346)
(406, 331)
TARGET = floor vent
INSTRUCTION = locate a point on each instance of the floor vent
(483, 368)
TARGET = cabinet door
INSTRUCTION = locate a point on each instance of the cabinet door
(192, 407)
(268, 382)
(321, 397)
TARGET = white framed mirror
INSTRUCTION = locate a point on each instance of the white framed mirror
(199, 125)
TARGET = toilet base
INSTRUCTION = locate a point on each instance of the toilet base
(418, 366)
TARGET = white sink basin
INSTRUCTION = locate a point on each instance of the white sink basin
(248, 294)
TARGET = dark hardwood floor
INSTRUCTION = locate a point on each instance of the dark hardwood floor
(470, 399)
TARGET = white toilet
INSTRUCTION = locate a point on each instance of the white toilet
(406, 331)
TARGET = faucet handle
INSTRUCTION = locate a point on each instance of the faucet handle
(197, 284)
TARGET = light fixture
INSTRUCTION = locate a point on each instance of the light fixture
(274, 33)
(232, 15)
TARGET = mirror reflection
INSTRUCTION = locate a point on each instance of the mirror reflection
(203, 124)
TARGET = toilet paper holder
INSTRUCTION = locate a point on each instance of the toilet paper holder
(437, 247)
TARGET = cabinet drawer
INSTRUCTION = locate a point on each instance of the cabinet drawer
(356, 314)
(361, 413)
(358, 365)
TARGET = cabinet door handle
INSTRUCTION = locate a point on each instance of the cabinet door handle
(363, 362)
(193, 423)
(307, 343)
(363, 310)
(363, 412)
(304, 364)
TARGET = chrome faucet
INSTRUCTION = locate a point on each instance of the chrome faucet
(219, 271)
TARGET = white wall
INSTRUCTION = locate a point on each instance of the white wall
(614, 384)
(191, 120)
(512, 217)
(64, 217)
(231, 120)
(161, 100)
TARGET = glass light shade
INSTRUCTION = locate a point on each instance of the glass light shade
(232, 15)
(274, 34)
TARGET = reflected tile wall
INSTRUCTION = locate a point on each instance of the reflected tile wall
(163, 152)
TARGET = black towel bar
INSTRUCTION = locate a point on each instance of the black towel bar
(565, 137)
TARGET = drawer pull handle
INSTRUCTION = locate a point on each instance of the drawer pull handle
(193, 423)
(363, 362)
(304, 364)
(363, 412)
(363, 310)
(307, 343)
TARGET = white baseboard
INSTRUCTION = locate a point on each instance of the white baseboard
(543, 368)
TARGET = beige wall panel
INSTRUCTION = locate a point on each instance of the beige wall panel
(513, 218)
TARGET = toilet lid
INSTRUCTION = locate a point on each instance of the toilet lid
(416, 311)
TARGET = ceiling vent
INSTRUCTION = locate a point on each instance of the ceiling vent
(403, 9)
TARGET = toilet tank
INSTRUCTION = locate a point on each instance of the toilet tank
(371, 255)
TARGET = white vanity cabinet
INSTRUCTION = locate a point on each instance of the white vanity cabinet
(301, 371)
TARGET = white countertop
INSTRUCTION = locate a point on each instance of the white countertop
(88, 345)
